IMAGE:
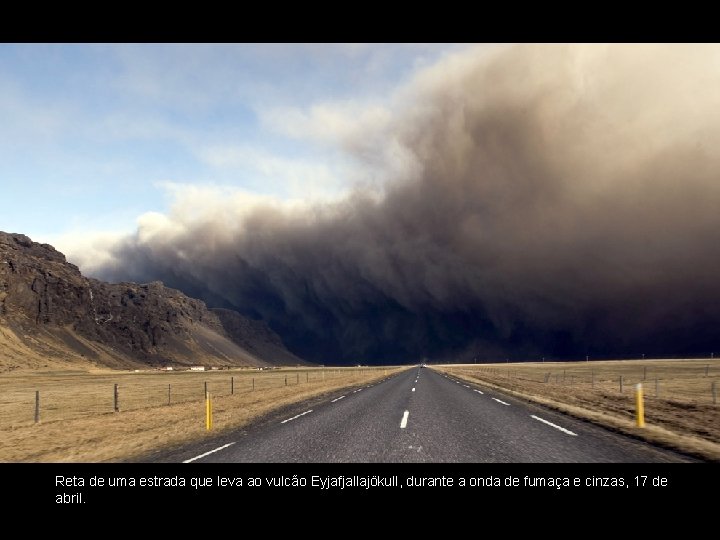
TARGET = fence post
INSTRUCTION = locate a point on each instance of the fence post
(285, 380)
(232, 385)
(168, 394)
(37, 406)
(307, 376)
(547, 377)
(621, 384)
(297, 378)
(644, 373)
(116, 404)
(592, 378)
(714, 392)
(205, 389)
(639, 405)
(253, 384)
(707, 369)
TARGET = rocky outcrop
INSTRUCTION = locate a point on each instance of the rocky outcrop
(120, 324)
(256, 337)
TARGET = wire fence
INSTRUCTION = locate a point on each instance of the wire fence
(695, 382)
(64, 397)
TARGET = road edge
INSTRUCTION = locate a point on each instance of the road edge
(688, 445)
(161, 454)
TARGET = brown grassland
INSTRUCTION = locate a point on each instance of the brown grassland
(680, 412)
(166, 409)
(78, 422)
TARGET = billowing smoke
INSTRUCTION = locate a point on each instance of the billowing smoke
(558, 201)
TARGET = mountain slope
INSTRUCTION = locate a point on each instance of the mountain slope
(255, 337)
(51, 315)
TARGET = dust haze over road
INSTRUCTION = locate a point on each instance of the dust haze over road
(554, 200)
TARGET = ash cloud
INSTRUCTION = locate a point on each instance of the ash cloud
(561, 201)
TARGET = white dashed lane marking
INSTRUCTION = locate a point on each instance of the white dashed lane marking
(296, 416)
(479, 392)
(337, 399)
(403, 422)
(553, 425)
(208, 453)
(500, 401)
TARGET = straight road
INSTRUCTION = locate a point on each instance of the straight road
(420, 415)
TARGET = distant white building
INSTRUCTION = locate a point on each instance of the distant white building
(197, 368)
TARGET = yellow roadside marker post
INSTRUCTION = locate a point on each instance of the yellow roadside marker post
(208, 411)
(639, 405)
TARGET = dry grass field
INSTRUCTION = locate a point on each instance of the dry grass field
(78, 422)
(680, 408)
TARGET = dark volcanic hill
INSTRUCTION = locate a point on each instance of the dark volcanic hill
(255, 337)
(51, 314)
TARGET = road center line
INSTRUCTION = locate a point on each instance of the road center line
(553, 425)
(208, 453)
(479, 392)
(413, 389)
(500, 401)
(403, 422)
(337, 399)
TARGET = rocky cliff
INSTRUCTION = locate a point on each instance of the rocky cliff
(50, 313)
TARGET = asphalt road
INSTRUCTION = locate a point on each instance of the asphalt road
(421, 415)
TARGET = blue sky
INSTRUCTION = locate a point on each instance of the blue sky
(93, 137)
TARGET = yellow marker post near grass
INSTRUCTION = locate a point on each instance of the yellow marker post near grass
(208, 411)
(639, 405)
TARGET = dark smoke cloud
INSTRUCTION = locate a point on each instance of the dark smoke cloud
(564, 200)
